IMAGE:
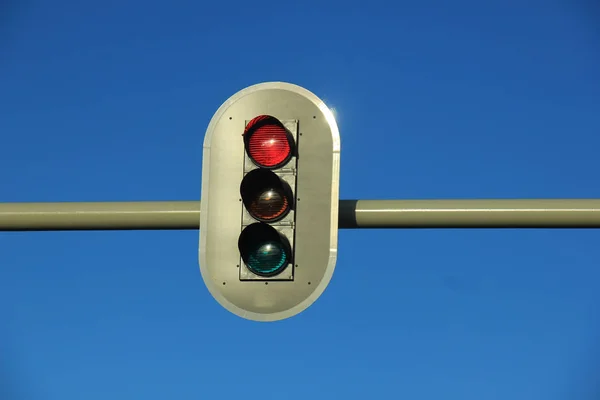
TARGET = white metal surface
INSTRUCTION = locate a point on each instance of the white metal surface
(317, 198)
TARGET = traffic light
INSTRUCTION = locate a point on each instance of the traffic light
(269, 202)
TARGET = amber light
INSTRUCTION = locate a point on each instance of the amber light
(267, 197)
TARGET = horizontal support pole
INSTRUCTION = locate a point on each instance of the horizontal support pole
(354, 214)
(83, 216)
(505, 213)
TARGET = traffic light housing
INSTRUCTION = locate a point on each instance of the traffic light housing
(269, 203)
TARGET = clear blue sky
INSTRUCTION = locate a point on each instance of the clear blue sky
(463, 99)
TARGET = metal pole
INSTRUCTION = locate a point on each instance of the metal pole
(530, 213)
(354, 214)
(143, 215)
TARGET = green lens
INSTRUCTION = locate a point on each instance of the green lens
(268, 258)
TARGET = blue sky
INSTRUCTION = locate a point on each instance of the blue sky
(466, 99)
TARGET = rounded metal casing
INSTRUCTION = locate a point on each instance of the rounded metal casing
(314, 220)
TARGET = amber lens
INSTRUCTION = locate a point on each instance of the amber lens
(269, 204)
(266, 196)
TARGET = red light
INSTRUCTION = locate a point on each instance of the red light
(268, 142)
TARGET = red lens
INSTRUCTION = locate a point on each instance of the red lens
(269, 142)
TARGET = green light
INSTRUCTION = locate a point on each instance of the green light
(265, 251)
(269, 258)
